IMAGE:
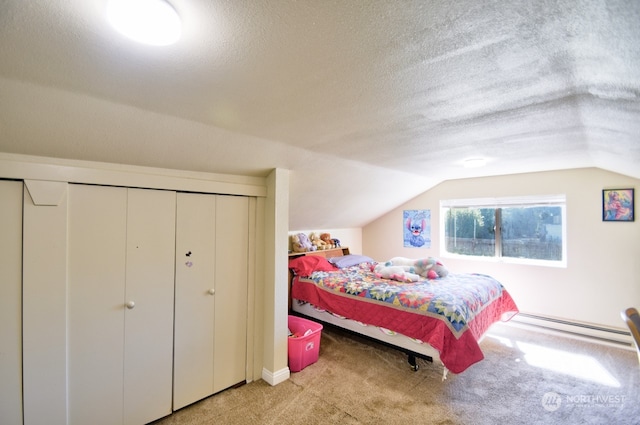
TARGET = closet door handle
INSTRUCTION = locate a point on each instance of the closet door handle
(130, 305)
(211, 291)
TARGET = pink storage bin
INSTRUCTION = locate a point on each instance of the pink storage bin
(304, 343)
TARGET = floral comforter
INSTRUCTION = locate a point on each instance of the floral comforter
(450, 313)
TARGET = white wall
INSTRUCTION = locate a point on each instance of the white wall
(350, 237)
(275, 296)
(602, 276)
(11, 193)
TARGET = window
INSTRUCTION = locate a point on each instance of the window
(526, 230)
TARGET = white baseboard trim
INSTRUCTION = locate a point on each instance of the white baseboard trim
(594, 333)
(274, 378)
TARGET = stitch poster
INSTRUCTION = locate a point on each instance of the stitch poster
(416, 226)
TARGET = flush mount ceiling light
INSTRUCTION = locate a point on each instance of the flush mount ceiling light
(153, 22)
(474, 162)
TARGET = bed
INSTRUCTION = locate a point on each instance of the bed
(439, 319)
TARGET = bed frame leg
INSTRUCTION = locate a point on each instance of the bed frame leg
(444, 374)
(412, 362)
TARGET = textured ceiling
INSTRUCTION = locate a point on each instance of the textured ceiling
(368, 102)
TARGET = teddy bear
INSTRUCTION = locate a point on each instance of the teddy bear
(317, 242)
(326, 237)
(301, 243)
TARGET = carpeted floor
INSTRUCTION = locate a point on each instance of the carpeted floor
(527, 377)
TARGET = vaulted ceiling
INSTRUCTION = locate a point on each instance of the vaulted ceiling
(367, 102)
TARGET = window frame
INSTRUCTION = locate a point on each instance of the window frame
(556, 200)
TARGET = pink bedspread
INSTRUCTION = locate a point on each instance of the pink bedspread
(450, 314)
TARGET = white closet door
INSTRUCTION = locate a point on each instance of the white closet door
(148, 355)
(121, 250)
(10, 302)
(195, 298)
(96, 270)
(231, 276)
(211, 295)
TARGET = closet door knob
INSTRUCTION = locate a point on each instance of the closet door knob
(130, 305)
(211, 291)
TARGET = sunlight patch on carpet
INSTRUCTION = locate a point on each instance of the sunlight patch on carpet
(502, 340)
(577, 365)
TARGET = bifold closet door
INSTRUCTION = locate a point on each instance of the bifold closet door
(120, 304)
(232, 258)
(211, 295)
(11, 302)
(97, 240)
(149, 295)
(195, 298)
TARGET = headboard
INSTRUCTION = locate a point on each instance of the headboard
(326, 253)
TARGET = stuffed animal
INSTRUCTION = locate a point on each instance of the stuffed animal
(428, 267)
(317, 242)
(399, 273)
(431, 268)
(301, 243)
(326, 237)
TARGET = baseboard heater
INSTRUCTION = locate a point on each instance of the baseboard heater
(604, 334)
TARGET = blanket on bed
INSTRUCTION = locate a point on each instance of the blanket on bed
(450, 314)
